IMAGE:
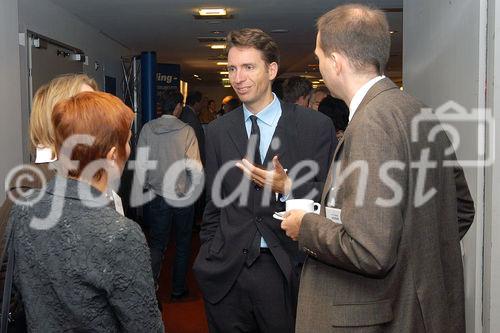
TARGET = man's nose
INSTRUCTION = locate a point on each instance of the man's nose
(239, 76)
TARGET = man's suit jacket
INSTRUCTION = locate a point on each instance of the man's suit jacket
(393, 269)
(189, 117)
(227, 232)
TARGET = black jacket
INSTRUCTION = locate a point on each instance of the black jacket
(189, 117)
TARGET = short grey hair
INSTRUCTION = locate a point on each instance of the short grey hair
(359, 32)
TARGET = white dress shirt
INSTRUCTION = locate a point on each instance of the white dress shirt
(360, 94)
(44, 155)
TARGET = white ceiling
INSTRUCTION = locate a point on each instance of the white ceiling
(169, 28)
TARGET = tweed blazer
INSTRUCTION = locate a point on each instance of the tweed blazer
(389, 266)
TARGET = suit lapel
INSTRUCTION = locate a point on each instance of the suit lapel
(237, 131)
(379, 87)
(329, 178)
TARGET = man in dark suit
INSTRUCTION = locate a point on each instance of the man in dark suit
(247, 268)
(194, 104)
(189, 115)
(297, 90)
(386, 257)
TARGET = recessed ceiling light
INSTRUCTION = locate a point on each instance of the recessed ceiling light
(195, 75)
(225, 79)
(279, 31)
(212, 12)
(227, 86)
(224, 73)
(315, 82)
(218, 46)
(222, 63)
(321, 80)
(315, 86)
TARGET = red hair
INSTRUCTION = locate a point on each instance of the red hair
(100, 115)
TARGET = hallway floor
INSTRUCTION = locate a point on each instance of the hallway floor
(188, 314)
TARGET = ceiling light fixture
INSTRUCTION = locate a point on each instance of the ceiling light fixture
(227, 86)
(279, 31)
(222, 63)
(224, 73)
(195, 75)
(315, 82)
(212, 12)
(225, 79)
(218, 46)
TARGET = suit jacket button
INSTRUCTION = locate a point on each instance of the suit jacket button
(257, 187)
(245, 251)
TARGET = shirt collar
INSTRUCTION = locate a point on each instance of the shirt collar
(268, 114)
(44, 155)
(360, 94)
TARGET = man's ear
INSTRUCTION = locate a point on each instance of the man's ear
(112, 154)
(272, 69)
(337, 61)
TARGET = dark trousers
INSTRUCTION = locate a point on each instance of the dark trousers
(161, 217)
(259, 301)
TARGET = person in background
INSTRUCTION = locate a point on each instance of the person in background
(232, 104)
(297, 90)
(209, 113)
(189, 115)
(317, 96)
(337, 111)
(383, 255)
(95, 260)
(195, 102)
(277, 87)
(225, 100)
(334, 108)
(170, 141)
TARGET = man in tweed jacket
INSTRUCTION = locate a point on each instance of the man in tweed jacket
(386, 257)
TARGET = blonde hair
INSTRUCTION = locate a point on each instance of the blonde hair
(46, 97)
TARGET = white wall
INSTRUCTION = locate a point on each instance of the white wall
(444, 58)
(10, 98)
(491, 290)
(47, 19)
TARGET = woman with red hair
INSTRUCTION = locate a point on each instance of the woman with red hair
(79, 264)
